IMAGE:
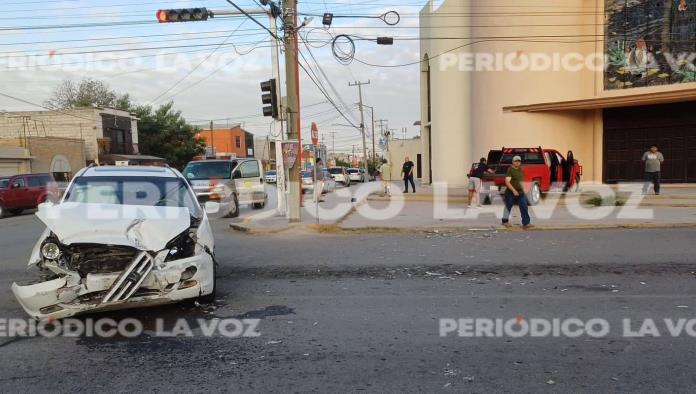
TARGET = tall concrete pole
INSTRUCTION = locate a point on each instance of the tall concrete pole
(374, 152)
(292, 82)
(362, 123)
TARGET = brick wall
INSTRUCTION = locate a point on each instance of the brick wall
(44, 149)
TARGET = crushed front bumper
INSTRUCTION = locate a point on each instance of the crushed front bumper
(167, 282)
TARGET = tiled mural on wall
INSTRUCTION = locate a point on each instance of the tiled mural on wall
(650, 42)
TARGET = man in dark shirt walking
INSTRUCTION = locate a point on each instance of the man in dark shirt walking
(407, 173)
(514, 194)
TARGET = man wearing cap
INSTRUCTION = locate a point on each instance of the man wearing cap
(514, 194)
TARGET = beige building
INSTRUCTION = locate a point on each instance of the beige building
(594, 77)
(62, 142)
(61, 157)
(400, 149)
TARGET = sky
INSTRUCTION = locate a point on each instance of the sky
(212, 69)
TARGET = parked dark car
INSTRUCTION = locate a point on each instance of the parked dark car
(26, 191)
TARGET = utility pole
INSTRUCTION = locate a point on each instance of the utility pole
(382, 124)
(374, 152)
(362, 122)
(212, 141)
(333, 144)
(292, 82)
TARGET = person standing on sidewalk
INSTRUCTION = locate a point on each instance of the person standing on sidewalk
(319, 180)
(476, 181)
(385, 175)
(514, 194)
(653, 166)
(407, 172)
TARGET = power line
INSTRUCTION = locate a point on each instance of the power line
(199, 64)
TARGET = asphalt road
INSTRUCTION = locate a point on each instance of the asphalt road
(362, 313)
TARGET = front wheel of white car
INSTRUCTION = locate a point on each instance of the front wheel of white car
(210, 298)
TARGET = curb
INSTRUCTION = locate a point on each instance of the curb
(356, 230)
(334, 229)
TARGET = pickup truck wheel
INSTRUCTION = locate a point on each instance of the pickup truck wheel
(534, 194)
(3, 211)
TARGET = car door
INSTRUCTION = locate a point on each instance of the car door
(35, 187)
(17, 197)
(248, 181)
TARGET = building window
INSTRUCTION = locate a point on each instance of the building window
(61, 176)
(238, 141)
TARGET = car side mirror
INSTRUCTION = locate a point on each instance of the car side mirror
(16, 185)
(237, 174)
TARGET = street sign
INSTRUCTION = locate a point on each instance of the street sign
(290, 153)
(315, 134)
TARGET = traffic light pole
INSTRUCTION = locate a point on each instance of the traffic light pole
(292, 82)
(278, 123)
(292, 78)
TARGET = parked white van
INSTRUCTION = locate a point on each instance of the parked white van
(232, 183)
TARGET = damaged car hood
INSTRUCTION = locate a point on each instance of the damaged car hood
(142, 227)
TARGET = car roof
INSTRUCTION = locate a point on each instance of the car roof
(144, 171)
(221, 160)
(38, 174)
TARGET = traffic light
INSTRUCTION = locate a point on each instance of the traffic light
(183, 15)
(270, 98)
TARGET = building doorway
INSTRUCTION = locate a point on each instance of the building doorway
(628, 132)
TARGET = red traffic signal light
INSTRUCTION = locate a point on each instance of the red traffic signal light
(162, 16)
(182, 15)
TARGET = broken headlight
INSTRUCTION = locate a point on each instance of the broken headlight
(183, 246)
(50, 251)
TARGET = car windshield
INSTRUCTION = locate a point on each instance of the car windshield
(271, 173)
(133, 190)
(353, 171)
(201, 170)
(4, 183)
(336, 170)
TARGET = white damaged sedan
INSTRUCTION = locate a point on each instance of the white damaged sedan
(122, 237)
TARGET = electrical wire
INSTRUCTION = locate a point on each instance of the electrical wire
(199, 64)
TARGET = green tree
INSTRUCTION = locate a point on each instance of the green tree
(164, 132)
(342, 163)
(87, 93)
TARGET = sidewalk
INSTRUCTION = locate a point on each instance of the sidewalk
(676, 207)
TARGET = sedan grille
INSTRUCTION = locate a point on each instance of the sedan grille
(100, 259)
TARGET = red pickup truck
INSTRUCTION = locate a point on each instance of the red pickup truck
(26, 191)
(544, 170)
